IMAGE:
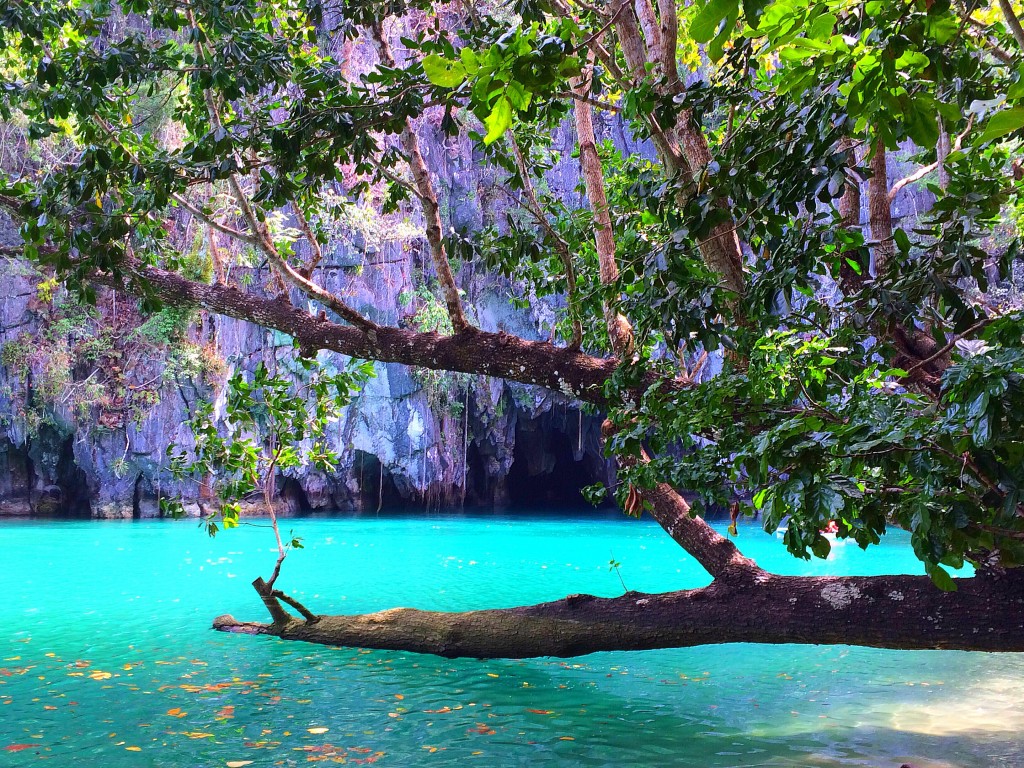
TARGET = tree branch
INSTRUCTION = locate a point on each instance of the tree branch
(983, 614)
(501, 355)
(264, 241)
(561, 246)
(1012, 22)
(620, 332)
(920, 173)
(428, 200)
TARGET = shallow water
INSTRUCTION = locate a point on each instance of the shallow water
(106, 658)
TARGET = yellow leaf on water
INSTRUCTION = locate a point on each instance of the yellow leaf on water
(197, 734)
(567, 738)
(318, 730)
(239, 763)
(176, 712)
(134, 749)
(491, 674)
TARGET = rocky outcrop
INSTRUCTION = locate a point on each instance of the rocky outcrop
(91, 401)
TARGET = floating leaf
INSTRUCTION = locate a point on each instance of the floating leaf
(176, 712)
(17, 747)
(238, 763)
(540, 711)
(318, 730)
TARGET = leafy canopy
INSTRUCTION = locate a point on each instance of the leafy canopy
(817, 412)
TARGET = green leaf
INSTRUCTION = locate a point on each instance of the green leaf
(442, 72)
(470, 60)
(1002, 123)
(941, 579)
(821, 547)
(821, 27)
(499, 121)
(705, 23)
(717, 47)
(902, 241)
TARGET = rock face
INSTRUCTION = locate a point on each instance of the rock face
(89, 404)
(84, 431)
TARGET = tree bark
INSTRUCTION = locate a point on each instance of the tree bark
(900, 612)
(620, 332)
(501, 355)
(880, 209)
(428, 201)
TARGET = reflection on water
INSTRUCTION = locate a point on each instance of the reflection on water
(106, 658)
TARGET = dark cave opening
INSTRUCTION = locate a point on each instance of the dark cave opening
(57, 486)
(377, 489)
(291, 497)
(545, 471)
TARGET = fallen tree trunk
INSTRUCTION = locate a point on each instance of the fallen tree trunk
(986, 613)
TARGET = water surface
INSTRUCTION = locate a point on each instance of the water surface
(106, 658)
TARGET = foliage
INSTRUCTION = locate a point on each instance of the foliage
(274, 421)
(820, 412)
(444, 389)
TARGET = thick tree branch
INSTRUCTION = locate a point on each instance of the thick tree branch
(669, 42)
(984, 614)
(880, 209)
(683, 148)
(502, 355)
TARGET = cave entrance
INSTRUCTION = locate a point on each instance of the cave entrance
(545, 473)
(377, 489)
(57, 486)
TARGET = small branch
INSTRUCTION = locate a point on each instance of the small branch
(599, 103)
(428, 201)
(993, 46)
(213, 223)
(1012, 22)
(948, 347)
(920, 173)
(560, 245)
(314, 244)
(308, 615)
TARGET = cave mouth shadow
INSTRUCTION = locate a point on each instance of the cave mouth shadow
(547, 479)
(378, 491)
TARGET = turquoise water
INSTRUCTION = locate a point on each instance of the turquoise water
(106, 658)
